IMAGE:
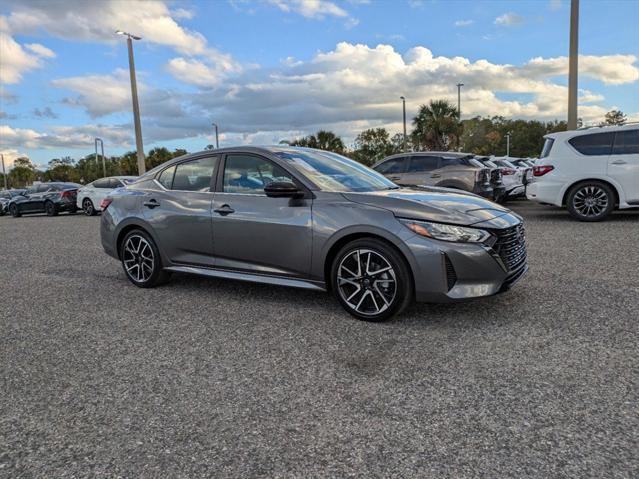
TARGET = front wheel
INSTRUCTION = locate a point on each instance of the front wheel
(141, 260)
(87, 206)
(371, 280)
(591, 201)
(15, 212)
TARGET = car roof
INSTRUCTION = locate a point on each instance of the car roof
(592, 130)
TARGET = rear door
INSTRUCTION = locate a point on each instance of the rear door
(623, 164)
(422, 170)
(254, 233)
(179, 210)
(101, 188)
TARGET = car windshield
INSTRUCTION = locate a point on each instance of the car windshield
(333, 172)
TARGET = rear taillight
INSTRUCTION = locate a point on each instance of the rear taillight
(68, 193)
(104, 204)
(508, 171)
(542, 170)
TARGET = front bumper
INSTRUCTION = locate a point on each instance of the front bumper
(449, 272)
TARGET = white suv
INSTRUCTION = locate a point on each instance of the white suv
(590, 171)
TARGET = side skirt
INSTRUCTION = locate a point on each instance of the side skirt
(255, 278)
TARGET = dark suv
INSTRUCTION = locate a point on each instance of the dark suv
(49, 198)
(437, 168)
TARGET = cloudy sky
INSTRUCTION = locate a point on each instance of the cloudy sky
(267, 70)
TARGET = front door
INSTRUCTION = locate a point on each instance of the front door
(623, 164)
(254, 233)
(180, 211)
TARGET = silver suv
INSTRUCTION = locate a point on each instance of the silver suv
(434, 168)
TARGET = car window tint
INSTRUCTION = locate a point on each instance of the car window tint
(592, 145)
(114, 183)
(626, 143)
(101, 183)
(194, 175)
(452, 162)
(422, 163)
(250, 174)
(396, 165)
(166, 177)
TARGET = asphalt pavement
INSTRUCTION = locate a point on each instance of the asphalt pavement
(217, 378)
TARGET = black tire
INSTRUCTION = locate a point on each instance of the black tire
(50, 209)
(375, 303)
(590, 201)
(87, 206)
(15, 212)
(140, 276)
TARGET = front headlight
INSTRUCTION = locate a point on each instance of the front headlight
(443, 232)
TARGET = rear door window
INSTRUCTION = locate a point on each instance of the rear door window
(114, 183)
(419, 164)
(166, 177)
(596, 144)
(626, 143)
(101, 183)
(452, 162)
(194, 175)
(396, 165)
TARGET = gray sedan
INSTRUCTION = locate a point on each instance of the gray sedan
(312, 219)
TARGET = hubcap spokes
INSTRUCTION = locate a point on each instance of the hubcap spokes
(366, 281)
(590, 201)
(138, 258)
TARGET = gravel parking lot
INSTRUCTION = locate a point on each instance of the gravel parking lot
(207, 377)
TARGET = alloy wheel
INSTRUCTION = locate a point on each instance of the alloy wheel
(88, 207)
(138, 258)
(590, 201)
(366, 282)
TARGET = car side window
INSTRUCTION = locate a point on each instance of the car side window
(44, 188)
(114, 183)
(396, 165)
(101, 183)
(194, 175)
(626, 143)
(419, 164)
(166, 177)
(593, 145)
(451, 162)
(250, 174)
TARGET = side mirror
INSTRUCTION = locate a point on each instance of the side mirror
(282, 189)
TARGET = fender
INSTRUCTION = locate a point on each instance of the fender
(606, 179)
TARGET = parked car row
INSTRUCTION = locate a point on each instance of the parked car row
(91, 195)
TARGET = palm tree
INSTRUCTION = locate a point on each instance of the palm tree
(434, 124)
(323, 140)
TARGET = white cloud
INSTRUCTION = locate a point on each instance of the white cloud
(14, 60)
(610, 69)
(310, 8)
(555, 4)
(509, 19)
(40, 50)
(10, 155)
(64, 137)
(464, 23)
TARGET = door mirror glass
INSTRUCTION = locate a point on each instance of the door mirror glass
(282, 189)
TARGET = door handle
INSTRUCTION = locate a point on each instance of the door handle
(224, 210)
(435, 175)
(619, 162)
(151, 204)
(394, 178)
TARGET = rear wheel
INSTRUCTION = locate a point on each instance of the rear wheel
(591, 201)
(15, 212)
(50, 209)
(371, 280)
(141, 260)
(87, 206)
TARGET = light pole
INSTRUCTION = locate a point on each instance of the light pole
(96, 154)
(134, 98)
(573, 65)
(4, 173)
(217, 143)
(508, 144)
(404, 113)
(459, 85)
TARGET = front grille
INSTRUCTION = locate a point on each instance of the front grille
(511, 246)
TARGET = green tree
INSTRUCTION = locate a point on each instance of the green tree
(23, 172)
(614, 117)
(372, 145)
(434, 125)
(62, 169)
(322, 140)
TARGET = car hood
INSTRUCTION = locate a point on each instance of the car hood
(459, 208)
